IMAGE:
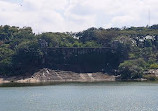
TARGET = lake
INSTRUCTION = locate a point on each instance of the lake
(107, 96)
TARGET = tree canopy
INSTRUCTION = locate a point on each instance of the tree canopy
(22, 51)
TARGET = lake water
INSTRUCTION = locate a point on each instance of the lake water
(108, 96)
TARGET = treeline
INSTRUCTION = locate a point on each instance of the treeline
(130, 52)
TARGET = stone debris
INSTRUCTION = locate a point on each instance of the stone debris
(48, 75)
(152, 71)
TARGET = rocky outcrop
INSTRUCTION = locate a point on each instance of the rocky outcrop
(152, 72)
(47, 75)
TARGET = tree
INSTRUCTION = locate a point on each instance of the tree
(132, 69)
(28, 57)
(6, 60)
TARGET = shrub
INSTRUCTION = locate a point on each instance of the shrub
(154, 66)
(150, 77)
(132, 69)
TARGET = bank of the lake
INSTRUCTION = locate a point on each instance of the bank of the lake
(48, 75)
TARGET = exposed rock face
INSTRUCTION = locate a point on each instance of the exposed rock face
(47, 75)
(152, 71)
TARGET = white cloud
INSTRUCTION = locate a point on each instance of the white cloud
(76, 15)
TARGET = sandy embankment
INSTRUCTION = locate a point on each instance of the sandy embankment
(3, 81)
(47, 75)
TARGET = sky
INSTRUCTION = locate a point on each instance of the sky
(77, 15)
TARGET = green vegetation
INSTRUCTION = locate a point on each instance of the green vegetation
(129, 51)
(154, 66)
(150, 77)
(132, 69)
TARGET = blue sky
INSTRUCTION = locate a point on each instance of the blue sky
(76, 15)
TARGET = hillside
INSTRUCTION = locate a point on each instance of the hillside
(129, 51)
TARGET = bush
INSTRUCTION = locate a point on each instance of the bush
(150, 77)
(132, 69)
(154, 66)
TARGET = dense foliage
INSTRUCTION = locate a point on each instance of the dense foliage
(129, 52)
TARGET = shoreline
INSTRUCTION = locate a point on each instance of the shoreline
(55, 76)
(47, 75)
(32, 81)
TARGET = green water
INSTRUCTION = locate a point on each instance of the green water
(110, 96)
